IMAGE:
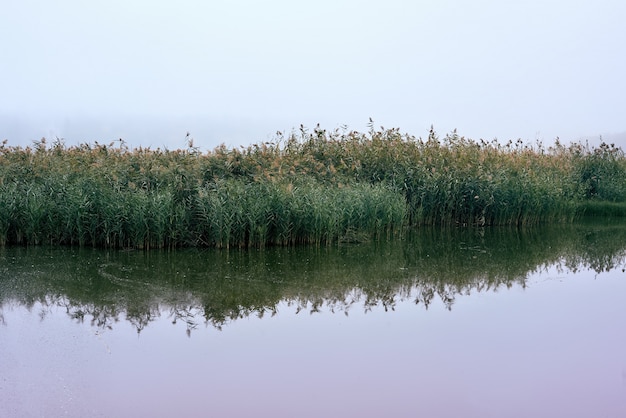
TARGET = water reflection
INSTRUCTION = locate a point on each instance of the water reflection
(196, 287)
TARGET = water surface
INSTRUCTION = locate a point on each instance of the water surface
(445, 323)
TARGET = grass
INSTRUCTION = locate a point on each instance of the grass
(310, 187)
(595, 208)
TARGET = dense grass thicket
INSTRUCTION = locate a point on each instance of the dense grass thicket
(311, 187)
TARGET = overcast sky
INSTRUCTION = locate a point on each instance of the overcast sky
(237, 71)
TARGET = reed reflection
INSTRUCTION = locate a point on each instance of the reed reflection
(212, 287)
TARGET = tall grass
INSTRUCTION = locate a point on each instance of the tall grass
(310, 187)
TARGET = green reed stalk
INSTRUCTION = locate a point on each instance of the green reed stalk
(315, 187)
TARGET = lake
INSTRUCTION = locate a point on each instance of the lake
(494, 322)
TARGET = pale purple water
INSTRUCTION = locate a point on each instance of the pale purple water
(554, 349)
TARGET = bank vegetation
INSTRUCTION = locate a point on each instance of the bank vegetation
(309, 187)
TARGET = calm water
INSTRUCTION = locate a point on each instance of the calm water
(460, 323)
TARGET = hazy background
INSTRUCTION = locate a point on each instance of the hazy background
(237, 71)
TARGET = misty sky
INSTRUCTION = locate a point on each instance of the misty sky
(237, 71)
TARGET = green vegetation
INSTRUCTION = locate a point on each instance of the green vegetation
(308, 188)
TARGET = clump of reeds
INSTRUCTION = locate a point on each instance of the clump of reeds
(307, 188)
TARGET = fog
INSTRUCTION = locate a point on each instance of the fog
(236, 72)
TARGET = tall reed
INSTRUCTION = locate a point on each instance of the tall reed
(308, 187)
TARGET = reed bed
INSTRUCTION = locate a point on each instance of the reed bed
(310, 187)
